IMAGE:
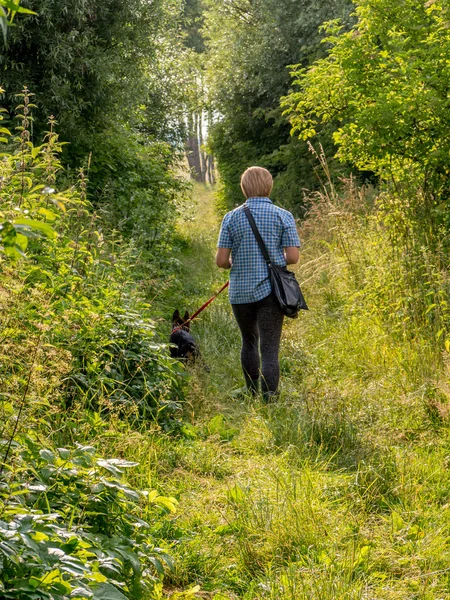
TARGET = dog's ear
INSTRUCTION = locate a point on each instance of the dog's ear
(186, 318)
(176, 316)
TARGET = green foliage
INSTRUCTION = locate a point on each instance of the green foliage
(19, 192)
(70, 527)
(73, 314)
(91, 306)
(134, 184)
(192, 22)
(118, 364)
(8, 10)
(340, 489)
(83, 60)
(383, 87)
(110, 77)
(249, 47)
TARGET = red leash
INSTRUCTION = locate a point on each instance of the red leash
(202, 308)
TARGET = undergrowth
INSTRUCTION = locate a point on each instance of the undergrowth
(79, 354)
(340, 490)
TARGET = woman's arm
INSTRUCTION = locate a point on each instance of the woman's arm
(292, 255)
(223, 258)
(290, 240)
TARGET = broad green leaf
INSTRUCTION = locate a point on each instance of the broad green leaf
(81, 593)
(21, 241)
(64, 453)
(169, 503)
(106, 591)
(50, 577)
(13, 252)
(236, 494)
(30, 226)
(152, 495)
(59, 203)
(15, 7)
(51, 216)
(47, 455)
(97, 576)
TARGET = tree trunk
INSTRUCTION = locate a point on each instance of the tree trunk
(210, 157)
(193, 148)
(211, 176)
(202, 152)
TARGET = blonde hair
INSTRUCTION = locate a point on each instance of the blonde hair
(256, 181)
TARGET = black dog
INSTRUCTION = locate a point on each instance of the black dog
(184, 346)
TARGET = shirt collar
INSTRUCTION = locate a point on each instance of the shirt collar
(259, 199)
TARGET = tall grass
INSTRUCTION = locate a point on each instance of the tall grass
(341, 489)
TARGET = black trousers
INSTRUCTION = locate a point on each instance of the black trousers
(260, 324)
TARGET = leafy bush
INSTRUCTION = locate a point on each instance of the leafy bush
(383, 88)
(90, 303)
(110, 75)
(70, 528)
(132, 182)
(90, 65)
(118, 365)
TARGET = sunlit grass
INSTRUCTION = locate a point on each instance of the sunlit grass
(338, 491)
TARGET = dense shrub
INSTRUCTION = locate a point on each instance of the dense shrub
(384, 87)
(118, 364)
(90, 303)
(109, 74)
(89, 64)
(134, 185)
(70, 527)
(76, 333)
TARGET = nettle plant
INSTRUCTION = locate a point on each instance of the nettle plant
(71, 528)
(94, 310)
(24, 210)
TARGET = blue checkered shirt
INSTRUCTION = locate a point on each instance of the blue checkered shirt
(249, 276)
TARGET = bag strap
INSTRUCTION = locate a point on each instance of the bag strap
(261, 244)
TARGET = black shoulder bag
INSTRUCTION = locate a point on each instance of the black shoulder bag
(284, 284)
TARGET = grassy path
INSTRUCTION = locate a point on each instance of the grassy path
(322, 496)
(248, 504)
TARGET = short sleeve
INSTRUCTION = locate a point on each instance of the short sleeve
(290, 236)
(224, 235)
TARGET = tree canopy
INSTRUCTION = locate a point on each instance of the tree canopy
(250, 46)
(385, 85)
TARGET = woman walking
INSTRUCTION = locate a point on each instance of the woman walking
(254, 306)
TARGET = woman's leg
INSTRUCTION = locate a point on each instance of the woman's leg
(270, 324)
(245, 315)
